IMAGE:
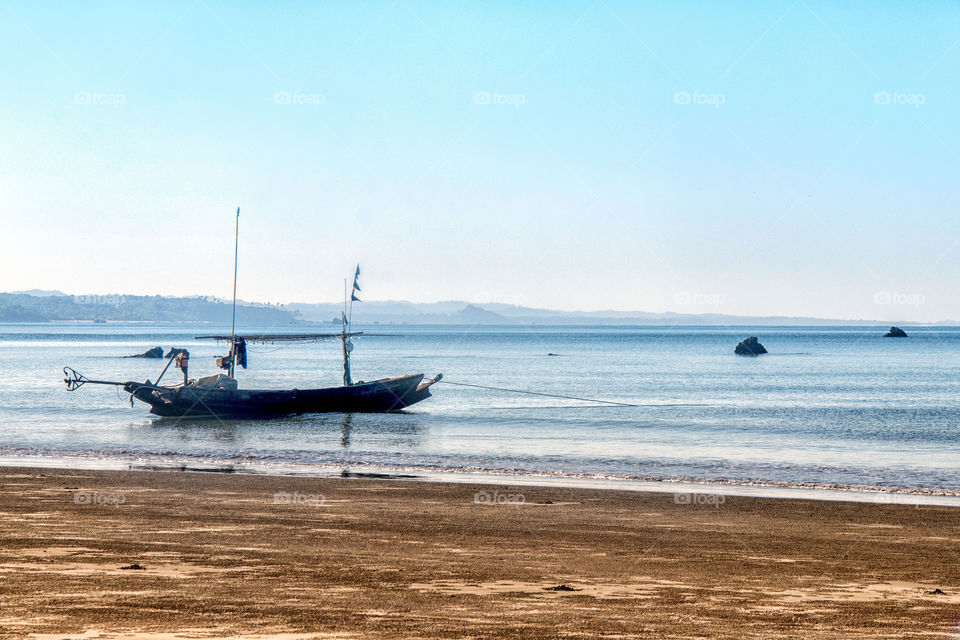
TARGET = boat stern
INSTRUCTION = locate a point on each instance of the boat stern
(421, 392)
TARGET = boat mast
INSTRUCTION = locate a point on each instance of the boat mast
(346, 320)
(344, 340)
(233, 321)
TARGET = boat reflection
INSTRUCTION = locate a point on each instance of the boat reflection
(315, 432)
(345, 428)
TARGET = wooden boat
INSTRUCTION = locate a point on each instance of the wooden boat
(218, 396)
(193, 401)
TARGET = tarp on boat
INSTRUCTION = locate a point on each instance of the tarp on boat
(217, 381)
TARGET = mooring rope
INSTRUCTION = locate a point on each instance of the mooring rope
(537, 393)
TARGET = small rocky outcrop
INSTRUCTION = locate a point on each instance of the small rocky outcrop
(895, 332)
(156, 352)
(177, 352)
(750, 347)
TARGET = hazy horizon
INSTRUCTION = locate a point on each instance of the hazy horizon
(114, 298)
(785, 159)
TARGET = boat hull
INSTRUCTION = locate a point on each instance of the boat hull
(389, 394)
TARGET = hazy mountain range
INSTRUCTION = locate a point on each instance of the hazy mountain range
(55, 306)
(459, 312)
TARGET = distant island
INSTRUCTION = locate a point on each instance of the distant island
(56, 306)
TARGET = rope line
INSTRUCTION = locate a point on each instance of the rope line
(537, 393)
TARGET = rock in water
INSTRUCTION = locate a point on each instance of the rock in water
(176, 352)
(750, 347)
(895, 332)
(156, 352)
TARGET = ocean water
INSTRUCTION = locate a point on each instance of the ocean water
(828, 407)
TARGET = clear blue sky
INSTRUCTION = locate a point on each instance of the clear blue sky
(752, 158)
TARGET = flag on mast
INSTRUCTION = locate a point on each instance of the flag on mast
(356, 285)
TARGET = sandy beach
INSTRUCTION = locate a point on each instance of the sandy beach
(109, 554)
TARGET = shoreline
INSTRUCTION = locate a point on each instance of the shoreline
(160, 556)
(413, 474)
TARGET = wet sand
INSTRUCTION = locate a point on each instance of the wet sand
(108, 554)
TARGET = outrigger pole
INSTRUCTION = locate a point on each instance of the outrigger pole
(233, 321)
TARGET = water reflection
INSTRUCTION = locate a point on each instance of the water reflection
(345, 427)
(319, 431)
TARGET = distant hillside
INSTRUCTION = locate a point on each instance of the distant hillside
(44, 307)
(41, 292)
(457, 312)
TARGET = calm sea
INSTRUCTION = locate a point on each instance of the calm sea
(838, 407)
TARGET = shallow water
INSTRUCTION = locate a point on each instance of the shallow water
(838, 407)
